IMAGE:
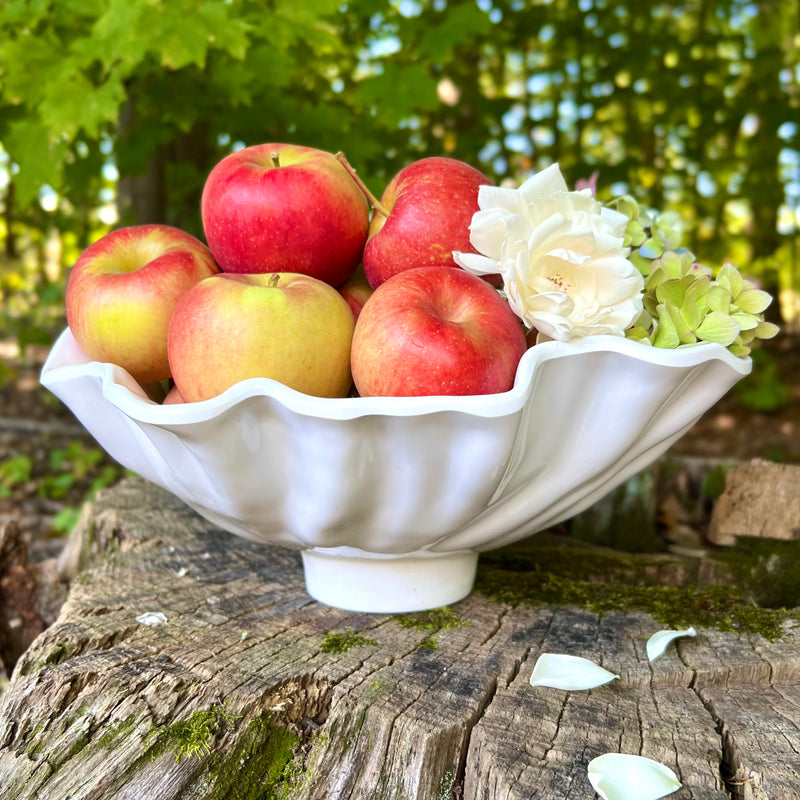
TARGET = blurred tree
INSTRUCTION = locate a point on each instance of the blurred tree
(691, 105)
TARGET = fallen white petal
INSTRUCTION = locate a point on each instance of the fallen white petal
(618, 776)
(152, 618)
(657, 643)
(571, 673)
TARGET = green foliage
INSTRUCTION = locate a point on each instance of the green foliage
(763, 389)
(14, 471)
(693, 111)
(74, 464)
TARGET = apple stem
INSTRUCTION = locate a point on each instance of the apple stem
(274, 280)
(275, 158)
(376, 204)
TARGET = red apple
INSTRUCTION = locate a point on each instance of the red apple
(284, 208)
(123, 289)
(286, 326)
(356, 291)
(423, 216)
(436, 331)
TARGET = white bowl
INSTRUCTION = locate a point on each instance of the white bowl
(391, 499)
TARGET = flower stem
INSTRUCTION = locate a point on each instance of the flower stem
(374, 202)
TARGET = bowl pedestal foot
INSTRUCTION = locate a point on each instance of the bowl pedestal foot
(388, 585)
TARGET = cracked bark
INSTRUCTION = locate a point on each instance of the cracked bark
(388, 720)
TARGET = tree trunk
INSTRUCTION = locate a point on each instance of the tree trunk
(246, 688)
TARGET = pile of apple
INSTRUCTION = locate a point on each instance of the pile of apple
(307, 279)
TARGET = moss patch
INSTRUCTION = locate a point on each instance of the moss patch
(257, 767)
(768, 569)
(191, 737)
(341, 642)
(602, 581)
(260, 764)
(431, 622)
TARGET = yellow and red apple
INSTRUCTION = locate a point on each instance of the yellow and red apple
(123, 289)
(284, 208)
(436, 331)
(286, 326)
(423, 215)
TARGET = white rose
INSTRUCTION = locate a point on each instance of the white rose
(560, 254)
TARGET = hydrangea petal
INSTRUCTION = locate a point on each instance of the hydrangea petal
(571, 673)
(620, 776)
(658, 642)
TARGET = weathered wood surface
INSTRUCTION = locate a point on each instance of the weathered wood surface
(241, 693)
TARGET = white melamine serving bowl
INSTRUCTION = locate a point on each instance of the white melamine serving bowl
(391, 499)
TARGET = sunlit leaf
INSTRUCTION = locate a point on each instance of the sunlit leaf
(571, 673)
(718, 327)
(753, 301)
(666, 335)
(730, 278)
(766, 330)
(619, 776)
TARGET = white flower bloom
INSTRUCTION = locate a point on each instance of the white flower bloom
(560, 254)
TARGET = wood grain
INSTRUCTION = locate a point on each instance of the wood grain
(418, 707)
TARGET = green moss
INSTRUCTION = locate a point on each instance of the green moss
(191, 737)
(769, 569)
(380, 688)
(446, 784)
(608, 581)
(33, 747)
(260, 766)
(431, 622)
(343, 641)
(60, 652)
(77, 746)
(117, 731)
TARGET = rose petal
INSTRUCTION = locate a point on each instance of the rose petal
(476, 264)
(657, 643)
(152, 618)
(619, 776)
(571, 673)
(543, 238)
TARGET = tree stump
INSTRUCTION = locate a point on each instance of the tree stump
(187, 663)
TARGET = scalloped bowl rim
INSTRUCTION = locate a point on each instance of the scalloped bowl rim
(122, 390)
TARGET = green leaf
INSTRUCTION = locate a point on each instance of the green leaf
(729, 278)
(40, 159)
(746, 322)
(718, 298)
(753, 301)
(674, 291)
(412, 89)
(73, 103)
(638, 334)
(767, 330)
(666, 335)
(718, 327)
